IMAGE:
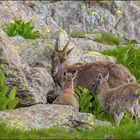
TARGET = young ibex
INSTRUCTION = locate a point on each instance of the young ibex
(68, 96)
(118, 100)
(87, 72)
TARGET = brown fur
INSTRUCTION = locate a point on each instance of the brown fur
(116, 100)
(68, 96)
(89, 71)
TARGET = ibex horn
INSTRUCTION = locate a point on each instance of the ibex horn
(56, 44)
(64, 49)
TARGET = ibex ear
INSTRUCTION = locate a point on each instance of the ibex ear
(69, 51)
(74, 75)
(107, 76)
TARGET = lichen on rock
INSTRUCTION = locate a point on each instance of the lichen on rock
(46, 116)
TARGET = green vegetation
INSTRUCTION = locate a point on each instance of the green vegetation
(7, 99)
(21, 28)
(128, 56)
(122, 132)
(80, 34)
(84, 99)
(106, 38)
(109, 39)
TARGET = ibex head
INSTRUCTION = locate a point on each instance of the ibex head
(68, 80)
(98, 81)
(59, 57)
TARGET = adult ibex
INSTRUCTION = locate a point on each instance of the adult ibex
(87, 72)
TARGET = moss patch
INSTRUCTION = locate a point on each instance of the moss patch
(106, 37)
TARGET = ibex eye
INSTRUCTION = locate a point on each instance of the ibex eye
(93, 84)
(62, 60)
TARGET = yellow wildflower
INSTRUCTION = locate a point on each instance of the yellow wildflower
(69, 47)
(83, 7)
(18, 47)
(119, 12)
(48, 30)
(30, 44)
(33, 18)
(94, 13)
(121, 35)
(91, 120)
(6, 7)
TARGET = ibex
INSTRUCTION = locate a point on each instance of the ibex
(68, 96)
(119, 99)
(87, 72)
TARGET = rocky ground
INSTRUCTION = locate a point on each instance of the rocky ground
(26, 63)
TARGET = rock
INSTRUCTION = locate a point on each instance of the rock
(102, 123)
(46, 116)
(90, 45)
(136, 3)
(91, 56)
(137, 46)
(78, 16)
(34, 11)
(50, 17)
(108, 137)
(36, 52)
(32, 84)
(11, 64)
(9, 10)
(129, 24)
(42, 84)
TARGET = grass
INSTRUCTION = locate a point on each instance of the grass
(106, 37)
(79, 34)
(128, 56)
(122, 132)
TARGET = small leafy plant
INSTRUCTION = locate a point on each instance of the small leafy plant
(87, 102)
(23, 29)
(7, 99)
(85, 97)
